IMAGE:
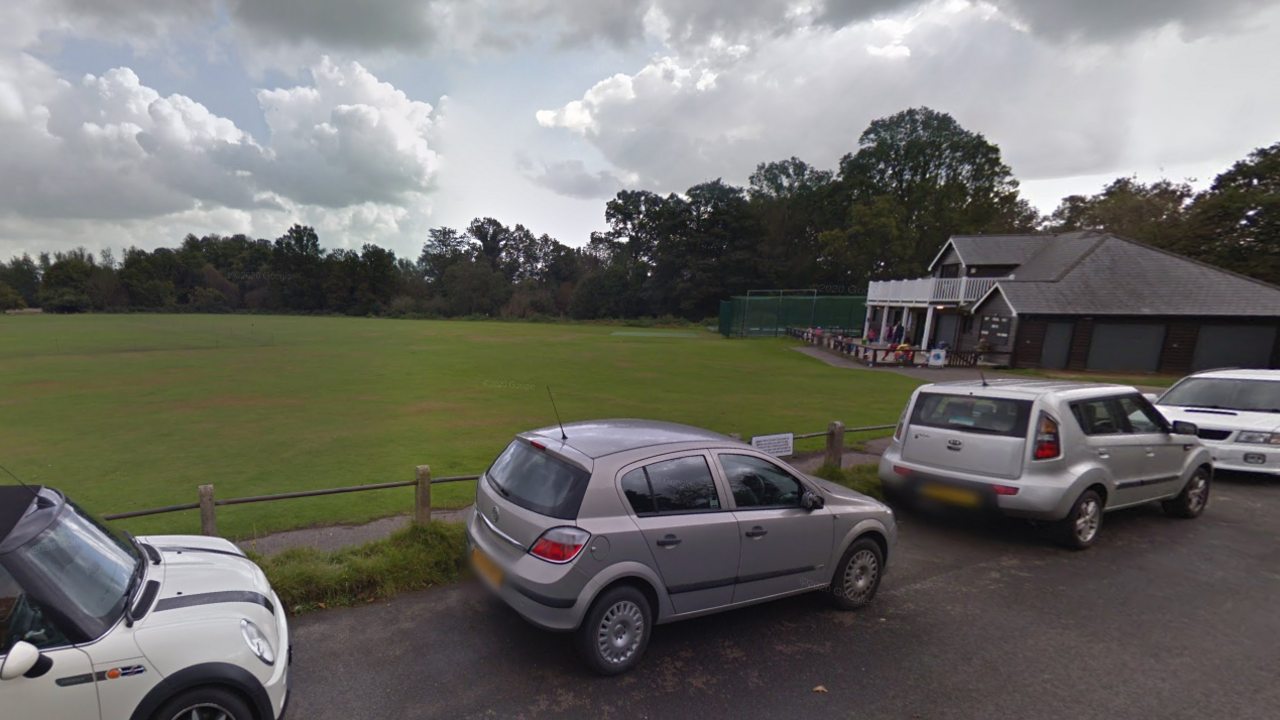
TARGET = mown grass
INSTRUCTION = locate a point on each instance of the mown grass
(125, 412)
(863, 478)
(415, 558)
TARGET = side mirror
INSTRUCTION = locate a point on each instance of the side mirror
(811, 500)
(24, 660)
(1185, 428)
(1151, 397)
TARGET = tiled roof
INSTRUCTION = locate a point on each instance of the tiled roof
(1093, 274)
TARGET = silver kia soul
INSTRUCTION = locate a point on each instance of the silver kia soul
(610, 527)
(1058, 451)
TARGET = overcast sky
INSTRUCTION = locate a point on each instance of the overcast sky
(135, 122)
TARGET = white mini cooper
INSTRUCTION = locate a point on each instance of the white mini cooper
(103, 625)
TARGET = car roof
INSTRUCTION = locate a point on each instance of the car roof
(15, 500)
(597, 438)
(1240, 374)
(1029, 388)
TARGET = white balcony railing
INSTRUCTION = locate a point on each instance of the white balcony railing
(925, 291)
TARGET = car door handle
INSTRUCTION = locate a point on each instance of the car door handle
(669, 541)
(757, 532)
(1104, 454)
(1150, 452)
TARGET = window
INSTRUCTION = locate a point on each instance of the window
(21, 619)
(974, 414)
(1225, 394)
(673, 486)
(636, 487)
(538, 481)
(758, 483)
(1142, 418)
(1099, 417)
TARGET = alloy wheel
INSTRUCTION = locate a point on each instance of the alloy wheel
(1198, 492)
(204, 711)
(860, 575)
(619, 633)
(1088, 519)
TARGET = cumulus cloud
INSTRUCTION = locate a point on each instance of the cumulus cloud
(110, 147)
(683, 120)
(572, 179)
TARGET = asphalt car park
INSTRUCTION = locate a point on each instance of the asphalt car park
(975, 619)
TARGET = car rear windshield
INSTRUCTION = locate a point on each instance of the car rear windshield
(974, 414)
(1225, 394)
(537, 481)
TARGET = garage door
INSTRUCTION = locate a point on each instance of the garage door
(1243, 346)
(1121, 346)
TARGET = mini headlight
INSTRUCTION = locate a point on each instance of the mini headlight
(1258, 438)
(257, 642)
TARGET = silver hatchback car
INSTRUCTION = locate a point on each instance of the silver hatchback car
(1058, 451)
(608, 528)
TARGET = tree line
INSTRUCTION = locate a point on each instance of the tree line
(915, 179)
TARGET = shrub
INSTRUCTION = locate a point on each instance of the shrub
(863, 478)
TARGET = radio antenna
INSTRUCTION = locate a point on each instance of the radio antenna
(984, 378)
(563, 436)
(15, 477)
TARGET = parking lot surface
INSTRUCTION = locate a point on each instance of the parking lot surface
(1162, 619)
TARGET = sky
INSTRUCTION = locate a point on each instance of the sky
(135, 122)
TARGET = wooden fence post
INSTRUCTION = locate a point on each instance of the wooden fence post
(208, 512)
(835, 444)
(422, 496)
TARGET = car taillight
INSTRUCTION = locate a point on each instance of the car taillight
(1048, 446)
(560, 545)
(1004, 489)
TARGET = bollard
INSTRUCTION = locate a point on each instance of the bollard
(422, 495)
(835, 444)
(208, 512)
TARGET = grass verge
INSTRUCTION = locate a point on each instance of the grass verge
(415, 558)
(1138, 379)
(863, 478)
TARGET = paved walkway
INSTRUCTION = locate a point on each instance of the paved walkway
(947, 374)
(919, 372)
(336, 537)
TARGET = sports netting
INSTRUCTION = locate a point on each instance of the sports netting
(770, 316)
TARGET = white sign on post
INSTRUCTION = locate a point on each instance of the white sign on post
(781, 445)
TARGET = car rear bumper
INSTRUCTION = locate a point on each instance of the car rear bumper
(1240, 457)
(557, 606)
(1041, 502)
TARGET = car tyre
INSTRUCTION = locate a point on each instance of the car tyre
(206, 703)
(857, 576)
(1080, 528)
(615, 632)
(1193, 499)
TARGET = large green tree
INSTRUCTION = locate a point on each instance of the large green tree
(941, 179)
(1236, 222)
(1154, 213)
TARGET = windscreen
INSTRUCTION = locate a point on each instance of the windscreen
(1225, 394)
(537, 481)
(77, 571)
(970, 413)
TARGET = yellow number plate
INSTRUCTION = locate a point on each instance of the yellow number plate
(487, 568)
(952, 496)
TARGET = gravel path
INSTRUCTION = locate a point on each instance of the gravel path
(335, 537)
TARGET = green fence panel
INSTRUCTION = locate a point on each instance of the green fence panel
(770, 316)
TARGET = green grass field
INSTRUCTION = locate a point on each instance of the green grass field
(127, 412)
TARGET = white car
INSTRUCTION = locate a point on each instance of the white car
(1237, 412)
(99, 624)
